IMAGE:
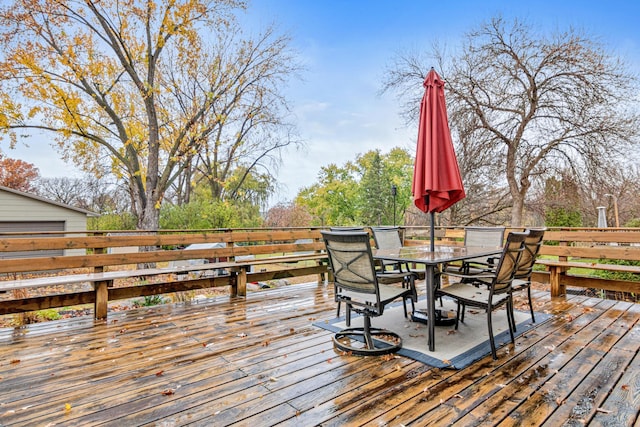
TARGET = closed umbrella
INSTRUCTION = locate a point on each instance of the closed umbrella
(437, 183)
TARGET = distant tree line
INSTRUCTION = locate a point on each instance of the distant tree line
(359, 192)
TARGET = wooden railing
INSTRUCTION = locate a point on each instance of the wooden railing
(577, 253)
(123, 265)
(569, 256)
(127, 265)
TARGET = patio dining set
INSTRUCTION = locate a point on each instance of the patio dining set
(482, 274)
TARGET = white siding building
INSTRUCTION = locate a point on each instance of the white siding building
(23, 212)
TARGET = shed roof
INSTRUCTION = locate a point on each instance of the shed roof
(51, 202)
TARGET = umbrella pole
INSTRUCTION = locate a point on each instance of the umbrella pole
(433, 230)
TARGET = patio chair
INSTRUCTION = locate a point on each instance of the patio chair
(522, 277)
(498, 292)
(478, 236)
(364, 291)
(393, 276)
(389, 238)
(482, 236)
(345, 229)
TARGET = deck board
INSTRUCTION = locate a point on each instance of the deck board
(258, 361)
(532, 397)
(470, 387)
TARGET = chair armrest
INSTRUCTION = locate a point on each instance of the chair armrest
(483, 275)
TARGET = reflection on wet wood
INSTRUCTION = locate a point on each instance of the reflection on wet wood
(258, 360)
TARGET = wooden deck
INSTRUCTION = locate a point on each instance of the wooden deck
(258, 361)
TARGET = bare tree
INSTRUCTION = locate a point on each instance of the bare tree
(524, 105)
(90, 193)
(613, 186)
(245, 128)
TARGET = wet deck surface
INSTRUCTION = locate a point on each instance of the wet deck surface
(259, 361)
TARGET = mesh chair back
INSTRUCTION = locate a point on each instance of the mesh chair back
(484, 236)
(508, 263)
(351, 261)
(387, 237)
(532, 245)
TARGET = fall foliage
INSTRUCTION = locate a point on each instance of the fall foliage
(144, 89)
(18, 174)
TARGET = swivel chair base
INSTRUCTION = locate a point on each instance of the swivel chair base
(389, 342)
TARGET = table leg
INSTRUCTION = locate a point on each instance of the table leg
(431, 305)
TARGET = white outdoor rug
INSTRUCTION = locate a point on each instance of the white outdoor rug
(453, 349)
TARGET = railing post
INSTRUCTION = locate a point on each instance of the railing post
(101, 291)
(555, 276)
(557, 289)
(101, 307)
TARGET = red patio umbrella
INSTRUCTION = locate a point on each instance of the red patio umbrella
(437, 183)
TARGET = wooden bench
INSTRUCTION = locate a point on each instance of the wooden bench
(579, 249)
(244, 276)
(272, 247)
(103, 289)
(558, 277)
(183, 278)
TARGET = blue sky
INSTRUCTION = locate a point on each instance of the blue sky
(345, 47)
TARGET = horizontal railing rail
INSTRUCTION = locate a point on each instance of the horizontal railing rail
(157, 262)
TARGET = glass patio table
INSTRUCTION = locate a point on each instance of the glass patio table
(432, 259)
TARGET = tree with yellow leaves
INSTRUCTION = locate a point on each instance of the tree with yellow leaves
(141, 89)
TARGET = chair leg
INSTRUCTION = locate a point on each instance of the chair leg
(533, 317)
(510, 323)
(367, 332)
(404, 303)
(438, 286)
(458, 314)
(338, 310)
(510, 315)
(511, 320)
(491, 338)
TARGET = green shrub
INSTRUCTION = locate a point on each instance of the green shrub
(561, 217)
(633, 223)
(199, 215)
(617, 275)
(123, 221)
(150, 300)
(49, 314)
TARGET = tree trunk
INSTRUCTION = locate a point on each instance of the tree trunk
(517, 211)
(150, 218)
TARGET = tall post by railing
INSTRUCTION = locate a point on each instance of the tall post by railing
(394, 192)
(615, 208)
